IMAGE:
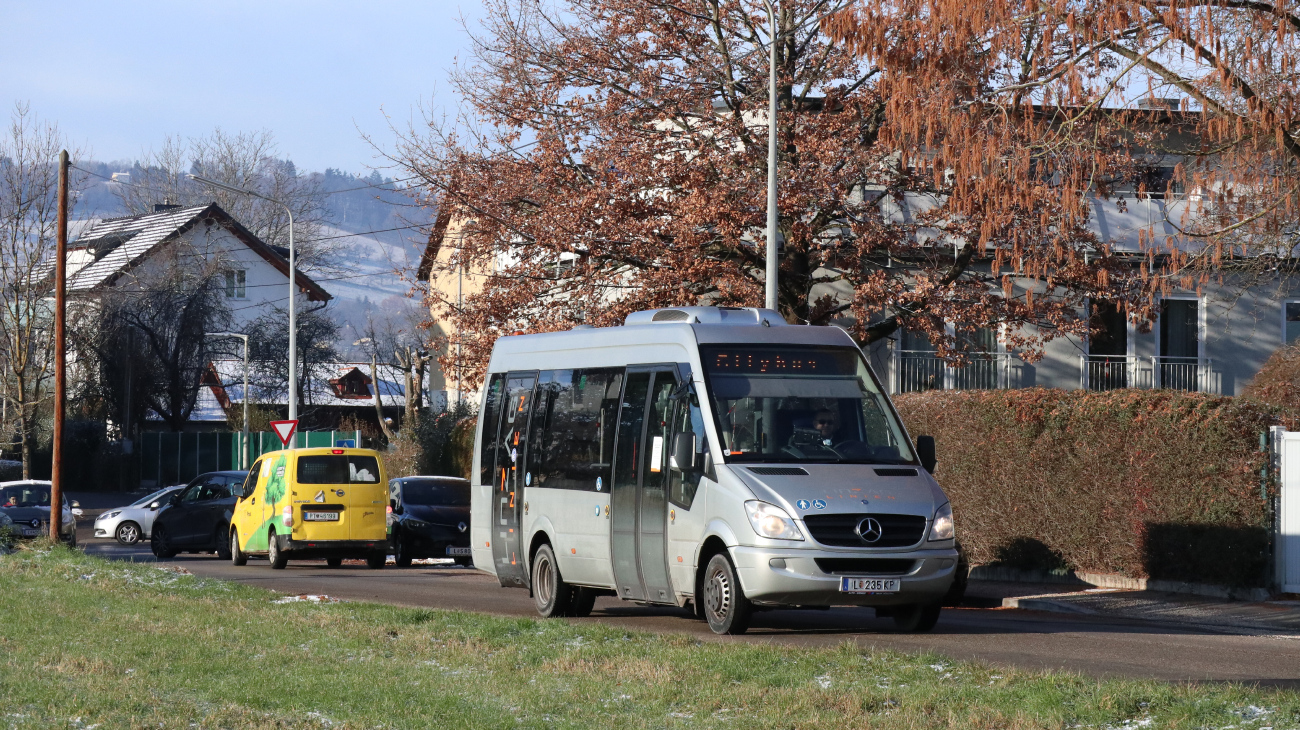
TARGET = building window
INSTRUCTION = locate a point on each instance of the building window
(1291, 322)
(235, 286)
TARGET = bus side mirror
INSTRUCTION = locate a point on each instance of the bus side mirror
(683, 455)
(925, 452)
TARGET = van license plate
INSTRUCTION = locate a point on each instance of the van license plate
(459, 551)
(869, 585)
(320, 516)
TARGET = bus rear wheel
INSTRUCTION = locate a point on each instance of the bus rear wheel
(551, 594)
(725, 606)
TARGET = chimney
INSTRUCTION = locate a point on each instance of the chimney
(164, 206)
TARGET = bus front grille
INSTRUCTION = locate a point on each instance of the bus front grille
(840, 530)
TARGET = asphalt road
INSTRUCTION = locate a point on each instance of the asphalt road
(1025, 639)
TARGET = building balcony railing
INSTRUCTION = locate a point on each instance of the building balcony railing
(919, 370)
(1110, 372)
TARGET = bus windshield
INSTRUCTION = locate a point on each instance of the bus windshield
(791, 403)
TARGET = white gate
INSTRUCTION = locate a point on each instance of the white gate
(1287, 545)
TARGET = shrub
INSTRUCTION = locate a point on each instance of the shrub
(1278, 382)
(440, 444)
(1146, 483)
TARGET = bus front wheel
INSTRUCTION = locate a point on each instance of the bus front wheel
(551, 594)
(725, 606)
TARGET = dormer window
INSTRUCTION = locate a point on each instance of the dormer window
(235, 284)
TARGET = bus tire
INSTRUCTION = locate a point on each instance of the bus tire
(725, 606)
(584, 599)
(917, 618)
(278, 557)
(237, 554)
(550, 593)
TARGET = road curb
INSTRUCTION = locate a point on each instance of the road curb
(1045, 603)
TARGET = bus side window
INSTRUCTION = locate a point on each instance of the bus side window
(684, 485)
(491, 418)
(578, 446)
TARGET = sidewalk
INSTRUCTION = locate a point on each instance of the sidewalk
(1280, 617)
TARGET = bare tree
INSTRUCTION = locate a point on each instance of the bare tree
(247, 160)
(269, 341)
(28, 216)
(151, 339)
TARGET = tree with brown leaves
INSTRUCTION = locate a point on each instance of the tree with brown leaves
(613, 158)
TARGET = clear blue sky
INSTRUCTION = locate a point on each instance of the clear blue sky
(120, 76)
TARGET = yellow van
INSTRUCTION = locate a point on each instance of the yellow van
(313, 503)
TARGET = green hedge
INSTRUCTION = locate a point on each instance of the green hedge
(1145, 483)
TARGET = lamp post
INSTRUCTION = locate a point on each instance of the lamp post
(243, 452)
(293, 286)
(770, 288)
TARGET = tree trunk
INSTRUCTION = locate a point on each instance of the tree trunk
(379, 405)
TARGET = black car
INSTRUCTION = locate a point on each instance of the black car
(428, 518)
(197, 519)
(25, 511)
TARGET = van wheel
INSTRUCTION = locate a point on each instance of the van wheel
(376, 561)
(584, 599)
(237, 554)
(725, 606)
(918, 618)
(551, 594)
(277, 556)
(401, 551)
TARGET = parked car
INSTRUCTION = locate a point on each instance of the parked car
(132, 523)
(25, 511)
(197, 518)
(429, 518)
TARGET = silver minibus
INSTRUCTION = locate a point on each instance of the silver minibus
(706, 455)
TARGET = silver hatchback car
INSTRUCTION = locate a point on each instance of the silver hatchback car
(132, 523)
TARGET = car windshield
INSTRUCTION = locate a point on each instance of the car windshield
(435, 492)
(801, 404)
(25, 495)
(158, 495)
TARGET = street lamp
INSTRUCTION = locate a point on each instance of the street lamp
(293, 285)
(246, 457)
(770, 287)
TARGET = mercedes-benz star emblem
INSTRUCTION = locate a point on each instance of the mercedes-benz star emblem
(869, 530)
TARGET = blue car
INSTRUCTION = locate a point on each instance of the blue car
(428, 517)
(25, 511)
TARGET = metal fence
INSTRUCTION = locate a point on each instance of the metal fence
(920, 370)
(176, 458)
(1111, 372)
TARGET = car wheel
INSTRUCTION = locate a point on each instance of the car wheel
(237, 554)
(72, 538)
(127, 533)
(334, 562)
(161, 544)
(223, 545)
(917, 618)
(376, 561)
(725, 606)
(464, 561)
(584, 599)
(401, 550)
(551, 594)
(277, 556)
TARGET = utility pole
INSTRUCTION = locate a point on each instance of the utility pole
(772, 267)
(60, 350)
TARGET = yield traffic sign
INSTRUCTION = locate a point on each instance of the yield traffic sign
(285, 430)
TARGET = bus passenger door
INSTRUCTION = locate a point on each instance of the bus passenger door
(508, 481)
(638, 495)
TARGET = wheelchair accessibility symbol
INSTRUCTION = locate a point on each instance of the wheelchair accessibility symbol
(819, 503)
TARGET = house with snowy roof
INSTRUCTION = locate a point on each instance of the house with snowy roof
(109, 252)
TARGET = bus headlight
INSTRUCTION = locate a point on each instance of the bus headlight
(771, 521)
(942, 529)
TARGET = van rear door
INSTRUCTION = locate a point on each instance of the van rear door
(349, 484)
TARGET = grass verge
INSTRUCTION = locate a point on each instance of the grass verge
(86, 643)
